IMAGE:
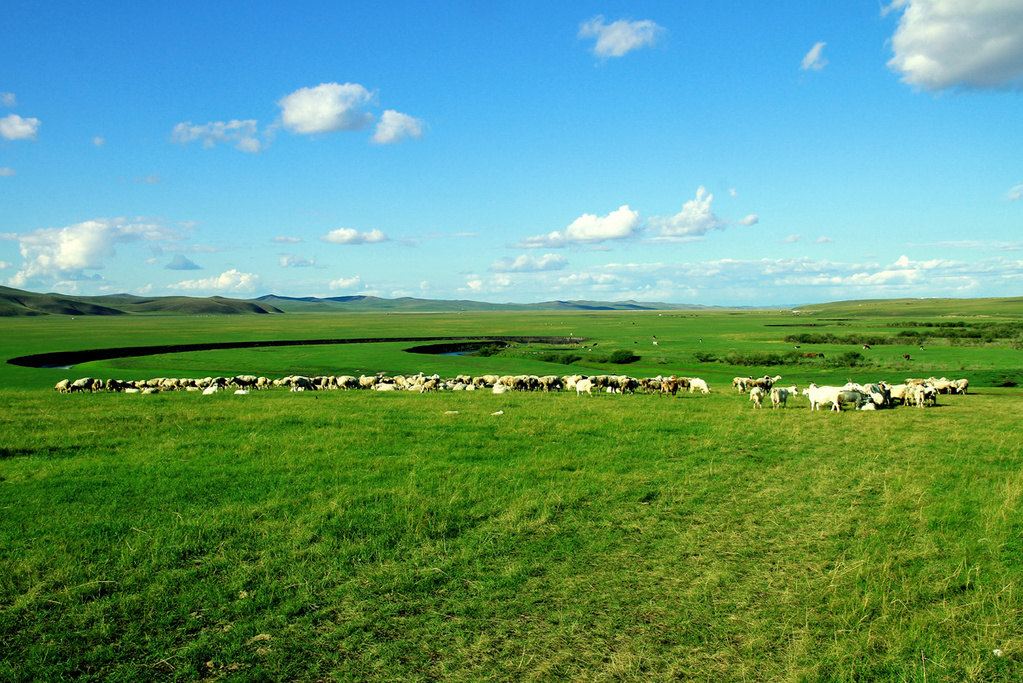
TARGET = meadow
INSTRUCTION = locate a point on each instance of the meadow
(356, 535)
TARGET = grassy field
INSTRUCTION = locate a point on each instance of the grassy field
(355, 535)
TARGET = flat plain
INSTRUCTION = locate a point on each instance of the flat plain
(354, 535)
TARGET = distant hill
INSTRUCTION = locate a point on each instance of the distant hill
(992, 306)
(16, 302)
(360, 303)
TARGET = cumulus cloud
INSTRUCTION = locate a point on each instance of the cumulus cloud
(394, 126)
(232, 280)
(8, 99)
(598, 279)
(285, 239)
(620, 37)
(751, 219)
(182, 262)
(590, 229)
(6, 172)
(529, 264)
(823, 239)
(4, 265)
(13, 127)
(696, 218)
(325, 108)
(345, 283)
(240, 133)
(1015, 193)
(814, 60)
(99, 140)
(792, 239)
(353, 236)
(941, 44)
(65, 254)
(292, 261)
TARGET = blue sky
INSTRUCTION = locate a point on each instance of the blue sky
(708, 152)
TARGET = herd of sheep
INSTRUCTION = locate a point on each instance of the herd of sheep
(914, 391)
(419, 383)
(918, 392)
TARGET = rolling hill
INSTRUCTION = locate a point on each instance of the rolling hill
(16, 302)
(411, 305)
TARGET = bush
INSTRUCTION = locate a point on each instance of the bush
(622, 357)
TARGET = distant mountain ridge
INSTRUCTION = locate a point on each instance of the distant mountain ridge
(410, 304)
(16, 302)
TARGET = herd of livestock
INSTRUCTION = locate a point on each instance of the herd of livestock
(918, 392)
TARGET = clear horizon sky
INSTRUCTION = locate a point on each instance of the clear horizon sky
(707, 152)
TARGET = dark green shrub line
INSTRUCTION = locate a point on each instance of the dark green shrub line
(848, 359)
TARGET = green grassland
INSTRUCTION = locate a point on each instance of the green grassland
(355, 535)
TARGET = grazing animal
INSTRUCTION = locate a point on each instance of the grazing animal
(756, 395)
(836, 396)
(697, 384)
(780, 395)
(584, 385)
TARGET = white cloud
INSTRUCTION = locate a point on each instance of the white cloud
(4, 265)
(345, 283)
(814, 60)
(474, 284)
(51, 254)
(353, 236)
(229, 281)
(590, 228)
(619, 37)
(823, 239)
(1015, 193)
(792, 280)
(99, 140)
(751, 219)
(292, 261)
(8, 99)
(942, 44)
(575, 279)
(325, 108)
(733, 193)
(529, 264)
(6, 172)
(182, 262)
(241, 134)
(792, 239)
(696, 218)
(13, 127)
(285, 239)
(395, 127)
